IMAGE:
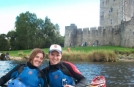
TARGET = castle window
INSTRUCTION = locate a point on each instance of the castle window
(117, 11)
(111, 21)
(96, 32)
(69, 34)
(89, 32)
(111, 9)
(104, 31)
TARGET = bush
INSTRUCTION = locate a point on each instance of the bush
(102, 56)
(2, 56)
(93, 56)
(74, 56)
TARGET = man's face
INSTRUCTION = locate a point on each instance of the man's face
(54, 57)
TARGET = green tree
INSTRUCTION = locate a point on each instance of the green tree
(39, 37)
(32, 32)
(11, 35)
(3, 42)
(52, 34)
(48, 31)
(59, 38)
(57, 27)
(26, 24)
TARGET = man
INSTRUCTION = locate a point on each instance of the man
(62, 74)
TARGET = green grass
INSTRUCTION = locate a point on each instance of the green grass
(96, 54)
(83, 49)
(112, 48)
(24, 52)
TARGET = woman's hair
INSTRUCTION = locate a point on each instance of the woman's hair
(34, 52)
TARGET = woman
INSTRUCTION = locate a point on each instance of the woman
(27, 74)
(62, 74)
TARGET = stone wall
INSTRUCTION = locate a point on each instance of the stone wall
(70, 35)
(112, 12)
(93, 36)
(116, 27)
(127, 34)
(119, 35)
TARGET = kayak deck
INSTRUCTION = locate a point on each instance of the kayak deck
(98, 81)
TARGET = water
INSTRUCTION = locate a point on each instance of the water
(116, 74)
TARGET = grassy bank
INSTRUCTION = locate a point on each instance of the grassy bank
(94, 55)
(101, 53)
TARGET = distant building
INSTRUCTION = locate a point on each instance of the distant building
(116, 26)
(112, 12)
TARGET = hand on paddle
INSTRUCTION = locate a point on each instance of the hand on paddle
(68, 86)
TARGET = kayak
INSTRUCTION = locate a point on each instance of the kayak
(98, 81)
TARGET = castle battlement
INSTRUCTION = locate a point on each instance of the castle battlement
(116, 27)
(119, 35)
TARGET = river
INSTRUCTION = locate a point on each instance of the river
(117, 74)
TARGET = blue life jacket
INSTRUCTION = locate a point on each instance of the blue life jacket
(30, 77)
(59, 79)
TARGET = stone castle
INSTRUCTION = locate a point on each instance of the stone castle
(116, 27)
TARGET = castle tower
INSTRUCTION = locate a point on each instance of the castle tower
(112, 12)
(70, 35)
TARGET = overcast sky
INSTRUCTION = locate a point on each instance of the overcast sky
(83, 13)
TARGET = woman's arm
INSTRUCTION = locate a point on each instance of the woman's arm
(8, 76)
(75, 73)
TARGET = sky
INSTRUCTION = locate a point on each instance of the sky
(82, 13)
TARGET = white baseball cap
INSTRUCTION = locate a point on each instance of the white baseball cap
(55, 47)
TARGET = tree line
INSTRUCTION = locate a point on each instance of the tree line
(31, 32)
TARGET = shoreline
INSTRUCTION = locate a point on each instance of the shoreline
(120, 58)
(125, 58)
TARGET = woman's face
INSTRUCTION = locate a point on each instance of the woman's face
(54, 57)
(38, 59)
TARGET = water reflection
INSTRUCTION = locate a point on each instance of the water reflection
(5, 66)
(117, 74)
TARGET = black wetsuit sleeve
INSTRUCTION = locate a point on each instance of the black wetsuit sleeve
(7, 77)
(75, 73)
(45, 71)
(43, 76)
